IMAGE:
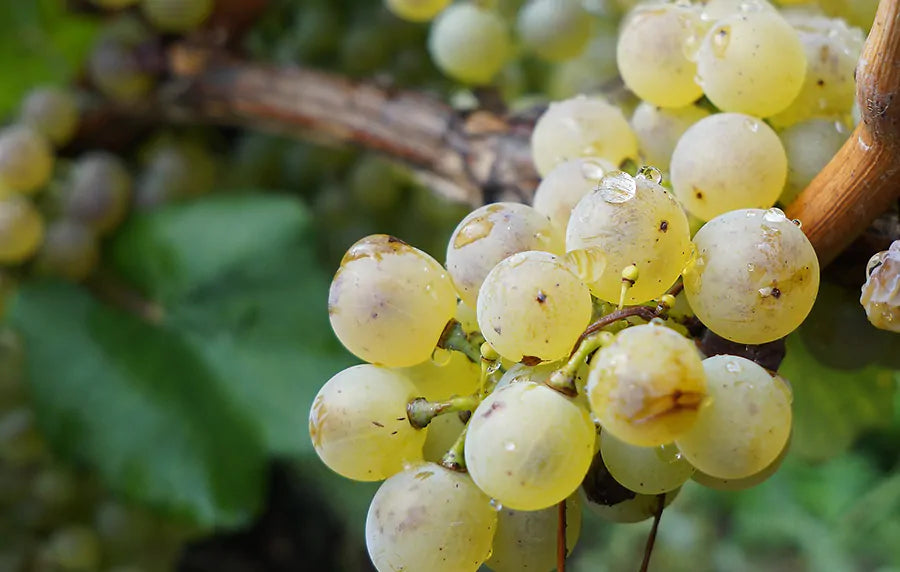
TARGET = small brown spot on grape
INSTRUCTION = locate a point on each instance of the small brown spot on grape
(494, 406)
(776, 293)
(541, 297)
(531, 361)
(664, 226)
(377, 424)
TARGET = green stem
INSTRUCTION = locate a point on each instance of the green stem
(455, 458)
(420, 411)
(455, 339)
(563, 379)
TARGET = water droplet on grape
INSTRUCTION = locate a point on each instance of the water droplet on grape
(441, 357)
(650, 173)
(720, 40)
(657, 322)
(617, 187)
(751, 124)
(733, 367)
(586, 263)
(797, 223)
(592, 170)
(509, 446)
(495, 504)
(774, 215)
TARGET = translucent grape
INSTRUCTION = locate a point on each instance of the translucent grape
(608, 499)
(646, 387)
(430, 518)
(857, 12)
(70, 250)
(746, 482)
(51, 111)
(98, 192)
(755, 276)
(652, 54)
(881, 291)
(389, 302)
(751, 63)
(728, 161)
(26, 160)
(488, 235)
(177, 16)
(526, 540)
(531, 305)
(809, 146)
(416, 10)
(633, 221)
(562, 188)
(590, 71)
(438, 381)
(744, 426)
(645, 470)
(659, 129)
(581, 127)
(21, 229)
(469, 43)
(528, 446)
(716, 10)
(358, 423)
(555, 30)
(443, 431)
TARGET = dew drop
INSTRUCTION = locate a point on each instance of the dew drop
(774, 215)
(656, 322)
(509, 446)
(751, 124)
(797, 223)
(765, 292)
(495, 504)
(617, 187)
(720, 40)
(441, 357)
(668, 453)
(586, 263)
(875, 262)
(733, 367)
(650, 173)
(592, 170)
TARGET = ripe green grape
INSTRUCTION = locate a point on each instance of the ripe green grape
(608, 499)
(536, 374)
(437, 380)
(652, 53)
(752, 62)
(70, 250)
(832, 51)
(177, 16)
(51, 111)
(532, 305)
(416, 10)
(443, 431)
(469, 43)
(881, 291)
(590, 71)
(633, 221)
(21, 229)
(715, 10)
(658, 130)
(728, 161)
(529, 446)
(555, 30)
(430, 518)
(809, 146)
(98, 191)
(745, 424)
(645, 470)
(114, 66)
(755, 276)
(581, 127)
(646, 387)
(718, 484)
(26, 160)
(488, 235)
(565, 185)
(389, 302)
(526, 540)
(75, 548)
(358, 423)
(857, 12)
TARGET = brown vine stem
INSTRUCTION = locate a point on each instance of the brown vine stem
(651, 539)
(561, 549)
(860, 182)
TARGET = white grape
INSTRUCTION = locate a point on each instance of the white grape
(469, 43)
(809, 146)
(645, 470)
(555, 30)
(658, 130)
(881, 291)
(26, 160)
(562, 188)
(417, 10)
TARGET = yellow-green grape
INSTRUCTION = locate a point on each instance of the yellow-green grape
(590, 71)
(857, 12)
(715, 10)
(389, 302)
(526, 540)
(646, 387)
(177, 16)
(529, 446)
(881, 291)
(652, 53)
(718, 484)
(443, 431)
(581, 127)
(416, 10)
(829, 89)
(26, 160)
(755, 276)
(51, 111)
(98, 192)
(75, 548)
(636, 509)
(633, 221)
(469, 43)
(21, 229)
(114, 66)
(555, 30)
(430, 518)
(437, 380)
(70, 250)
(358, 423)
(658, 130)
(491, 233)
(535, 374)
(809, 146)
(728, 161)
(466, 317)
(562, 188)
(752, 62)
(745, 424)
(645, 470)
(531, 305)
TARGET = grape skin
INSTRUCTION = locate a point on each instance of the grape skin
(491, 233)
(429, 518)
(744, 426)
(51, 111)
(531, 305)
(659, 129)
(358, 423)
(881, 291)
(389, 302)
(555, 30)
(416, 10)
(469, 43)
(755, 276)
(745, 483)
(98, 192)
(113, 66)
(438, 381)
(529, 446)
(565, 185)
(21, 229)
(645, 470)
(809, 146)
(646, 387)
(26, 160)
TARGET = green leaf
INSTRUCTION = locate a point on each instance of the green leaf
(832, 407)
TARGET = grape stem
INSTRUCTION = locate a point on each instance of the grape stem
(455, 458)
(561, 537)
(651, 539)
(421, 412)
(644, 312)
(563, 379)
(455, 339)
